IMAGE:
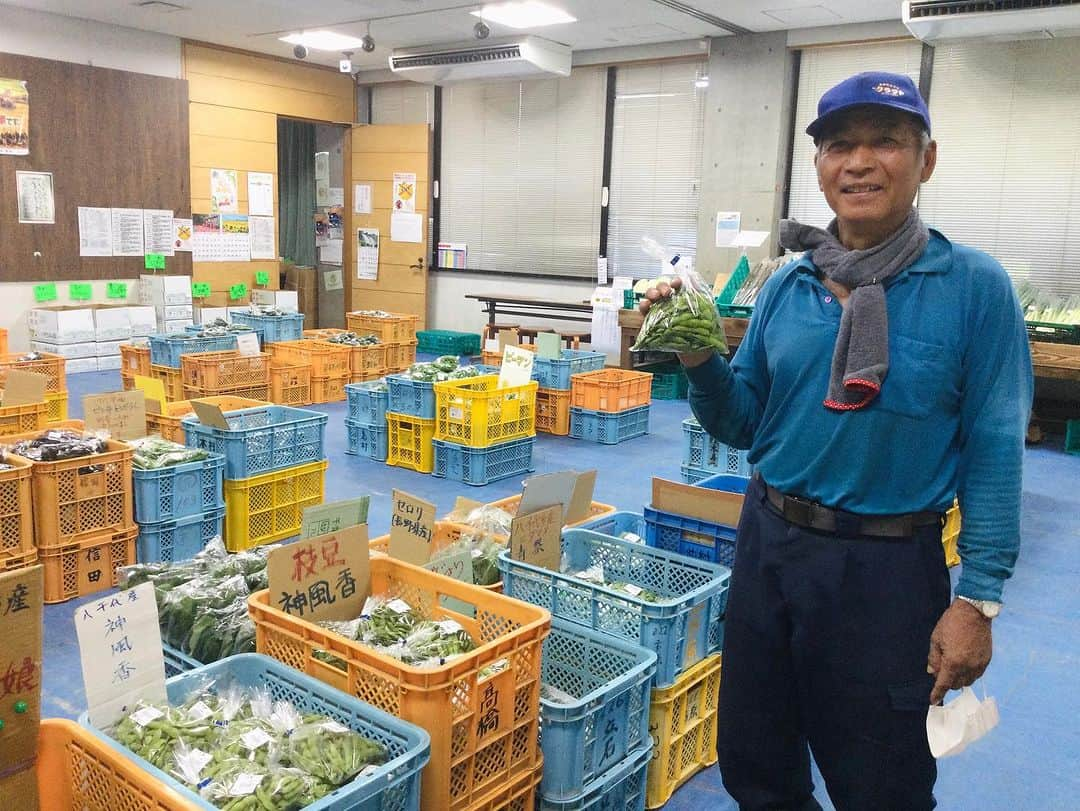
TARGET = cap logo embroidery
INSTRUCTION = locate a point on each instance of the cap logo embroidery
(888, 89)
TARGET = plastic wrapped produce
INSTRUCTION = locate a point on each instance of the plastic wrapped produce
(686, 321)
(153, 453)
(484, 551)
(53, 446)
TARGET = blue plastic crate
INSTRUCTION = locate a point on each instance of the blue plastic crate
(367, 440)
(180, 490)
(413, 397)
(393, 786)
(181, 539)
(682, 629)
(261, 440)
(165, 350)
(554, 373)
(176, 661)
(692, 475)
(610, 681)
(702, 452)
(273, 328)
(694, 537)
(618, 524)
(609, 428)
(480, 466)
(620, 789)
(368, 402)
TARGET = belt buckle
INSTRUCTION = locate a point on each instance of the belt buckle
(799, 510)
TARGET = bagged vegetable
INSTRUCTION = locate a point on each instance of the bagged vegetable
(485, 519)
(686, 321)
(484, 552)
(332, 752)
(154, 453)
(53, 446)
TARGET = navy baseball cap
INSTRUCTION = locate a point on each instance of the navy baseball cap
(876, 87)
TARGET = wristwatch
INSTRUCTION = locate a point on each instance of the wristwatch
(988, 608)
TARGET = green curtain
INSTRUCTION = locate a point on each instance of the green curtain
(296, 190)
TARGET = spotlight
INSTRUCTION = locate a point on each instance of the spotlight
(300, 52)
(481, 30)
(367, 42)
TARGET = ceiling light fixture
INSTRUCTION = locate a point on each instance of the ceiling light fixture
(524, 14)
(324, 40)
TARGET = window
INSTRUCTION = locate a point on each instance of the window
(1007, 120)
(820, 69)
(522, 172)
(402, 103)
(656, 163)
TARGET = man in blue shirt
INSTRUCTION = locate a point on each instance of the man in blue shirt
(882, 374)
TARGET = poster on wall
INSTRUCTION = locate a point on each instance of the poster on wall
(206, 238)
(183, 231)
(367, 253)
(127, 232)
(260, 194)
(322, 192)
(235, 238)
(14, 117)
(35, 193)
(158, 231)
(262, 237)
(405, 191)
(224, 190)
(95, 231)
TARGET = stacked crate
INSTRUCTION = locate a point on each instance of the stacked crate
(271, 328)
(169, 423)
(275, 466)
(410, 423)
(329, 365)
(134, 361)
(483, 431)
(704, 456)
(290, 384)
(225, 374)
(610, 405)
(53, 368)
(16, 505)
(366, 424)
(167, 350)
(396, 331)
(366, 362)
(553, 375)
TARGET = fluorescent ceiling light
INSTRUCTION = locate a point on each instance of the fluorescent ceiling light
(524, 14)
(323, 40)
(701, 81)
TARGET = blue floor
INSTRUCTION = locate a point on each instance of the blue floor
(1035, 674)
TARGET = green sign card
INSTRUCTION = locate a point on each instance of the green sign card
(155, 261)
(80, 291)
(262, 278)
(238, 291)
(116, 290)
(45, 292)
(200, 289)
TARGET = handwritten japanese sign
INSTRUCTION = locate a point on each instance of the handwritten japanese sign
(581, 500)
(457, 567)
(322, 578)
(536, 538)
(412, 528)
(121, 413)
(20, 667)
(517, 366)
(322, 519)
(547, 489)
(247, 343)
(120, 646)
(200, 289)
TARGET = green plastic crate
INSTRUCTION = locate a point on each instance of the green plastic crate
(669, 380)
(1053, 333)
(447, 342)
(1072, 437)
(727, 295)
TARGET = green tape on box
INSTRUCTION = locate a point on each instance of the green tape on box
(116, 290)
(45, 292)
(80, 292)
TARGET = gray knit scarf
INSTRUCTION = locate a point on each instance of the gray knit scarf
(861, 355)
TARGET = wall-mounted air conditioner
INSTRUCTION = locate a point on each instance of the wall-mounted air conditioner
(934, 20)
(517, 58)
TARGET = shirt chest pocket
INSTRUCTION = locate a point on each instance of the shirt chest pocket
(922, 378)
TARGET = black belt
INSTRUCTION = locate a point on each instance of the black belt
(811, 515)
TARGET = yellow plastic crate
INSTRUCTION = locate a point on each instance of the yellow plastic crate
(268, 508)
(476, 413)
(949, 533)
(682, 722)
(409, 442)
(56, 407)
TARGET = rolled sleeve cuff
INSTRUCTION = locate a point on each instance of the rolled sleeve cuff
(979, 585)
(710, 377)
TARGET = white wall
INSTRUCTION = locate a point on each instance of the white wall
(53, 36)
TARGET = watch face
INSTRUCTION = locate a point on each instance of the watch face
(991, 610)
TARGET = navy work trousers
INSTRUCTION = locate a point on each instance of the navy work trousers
(825, 648)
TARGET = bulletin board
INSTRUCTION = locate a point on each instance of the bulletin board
(111, 139)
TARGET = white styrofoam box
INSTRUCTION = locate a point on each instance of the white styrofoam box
(176, 326)
(74, 367)
(143, 321)
(112, 323)
(205, 315)
(69, 351)
(109, 363)
(106, 349)
(174, 312)
(62, 325)
(286, 300)
(164, 291)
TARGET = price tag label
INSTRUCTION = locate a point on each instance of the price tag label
(80, 291)
(116, 290)
(154, 261)
(200, 290)
(45, 292)
(262, 278)
(238, 291)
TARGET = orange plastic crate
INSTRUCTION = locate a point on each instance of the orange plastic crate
(134, 360)
(328, 389)
(325, 360)
(171, 379)
(610, 390)
(51, 367)
(511, 503)
(260, 394)
(483, 728)
(21, 419)
(213, 372)
(170, 424)
(367, 362)
(322, 334)
(87, 566)
(400, 357)
(16, 509)
(553, 411)
(56, 408)
(128, 381)
(394, 328)
(290, 385)
(9, 563)
(446, 533)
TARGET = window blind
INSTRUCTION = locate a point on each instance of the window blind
(656, 163)
(402, 103)
(1007, 120)
(522, 169)
(820, 69)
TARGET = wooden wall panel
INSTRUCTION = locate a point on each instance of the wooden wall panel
(110, 138)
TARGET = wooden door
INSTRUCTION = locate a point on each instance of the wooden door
(377, 152)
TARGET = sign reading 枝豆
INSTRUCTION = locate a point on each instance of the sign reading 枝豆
(412, 528)
(322, 578)
(536, 537)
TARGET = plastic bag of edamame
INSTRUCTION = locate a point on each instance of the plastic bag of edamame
(686, 321)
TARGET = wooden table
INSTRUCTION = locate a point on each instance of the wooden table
(1056, 361)
(496, 305)
(630, 324)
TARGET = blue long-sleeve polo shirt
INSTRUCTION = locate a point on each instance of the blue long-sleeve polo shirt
(950, 419)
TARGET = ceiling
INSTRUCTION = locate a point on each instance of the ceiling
(255, 25)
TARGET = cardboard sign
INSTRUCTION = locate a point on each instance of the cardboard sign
(536, 538)
(322, 578)
(412, 528)
(322, 519)
(465, 505)
(20, 671)
(548, 345)
(247, 343)
(120, 647)
(547, 489)
(209, 414)
(716, 506)
(517, 365)
(121, 413)
(507, 337)
(24, 388)
(152, 389)
(581, 500)
(457, 567)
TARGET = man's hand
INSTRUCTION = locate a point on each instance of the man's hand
(960, 649)
(664, 290)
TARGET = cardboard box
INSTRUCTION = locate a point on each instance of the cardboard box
(69, 351)
(75, 367)
(112, 323)
(62, 325)
(204, 315)
(143, 320)
(282, 299)
(106, 349)
(716, 506)
(304, 282)
(108, 364)
(177, 325)
(164, 291)
(174, 312)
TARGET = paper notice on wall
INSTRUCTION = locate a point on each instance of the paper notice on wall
(95, 231)
(158, 231)
(322, 167)
(183, 230)
(260, 194)
(127, 232)
(331, 253)
(367, 253)
(337, 196)
(361, 198)
(261, 230)
(727, 227)
(34, 191)
(224, 190)
(750, 239)
(322, 192)
(601, 270)
(406, 227)
(404, 191)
